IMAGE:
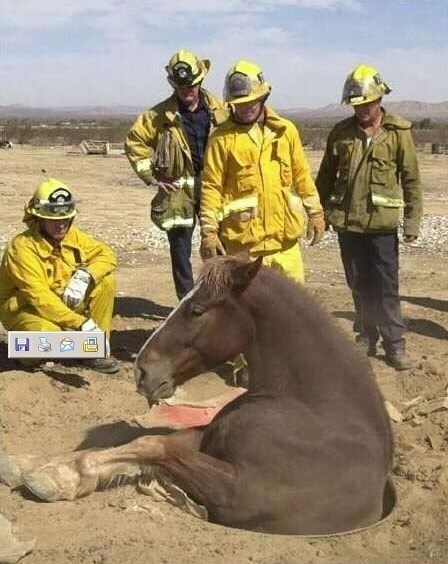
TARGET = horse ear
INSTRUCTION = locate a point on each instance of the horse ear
(243, 274)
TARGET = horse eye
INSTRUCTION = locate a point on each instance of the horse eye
(197, 310)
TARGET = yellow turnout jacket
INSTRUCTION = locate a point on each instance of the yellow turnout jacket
(255, 185)
(34, 274)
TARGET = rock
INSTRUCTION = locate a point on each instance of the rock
(393, 412)
(11, 549)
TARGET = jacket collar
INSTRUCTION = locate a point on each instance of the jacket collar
(44, 247)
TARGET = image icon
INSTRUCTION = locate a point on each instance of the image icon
(22, 344)
(90, 345)
(44, 345)
(67, 345)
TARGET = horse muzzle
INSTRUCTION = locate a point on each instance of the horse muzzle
(155, 385)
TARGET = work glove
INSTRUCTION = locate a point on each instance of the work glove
(316, 227)
(90, 325)
(211, 246)
(76, 289)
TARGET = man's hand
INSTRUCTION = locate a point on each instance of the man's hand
(316, 227)
(409, 238)
(167, 185)
(76, 289)
(211, 246)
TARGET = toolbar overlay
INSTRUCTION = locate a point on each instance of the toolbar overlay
(57, 344)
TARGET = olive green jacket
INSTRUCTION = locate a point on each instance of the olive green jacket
(158, 137)
(359, 184)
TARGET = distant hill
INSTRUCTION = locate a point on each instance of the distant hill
(69, 112)
(410, 109)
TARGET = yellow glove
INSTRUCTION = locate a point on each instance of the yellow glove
(316, 227)
(211, 246)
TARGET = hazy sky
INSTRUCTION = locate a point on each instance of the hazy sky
(104, 52)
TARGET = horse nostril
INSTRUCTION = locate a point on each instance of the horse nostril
(139, 375)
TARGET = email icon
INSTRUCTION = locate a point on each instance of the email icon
(67, 345)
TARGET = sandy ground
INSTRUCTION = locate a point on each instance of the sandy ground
(68, 408)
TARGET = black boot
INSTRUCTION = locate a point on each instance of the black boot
(365, 344)
(105, 365)
(399, 360)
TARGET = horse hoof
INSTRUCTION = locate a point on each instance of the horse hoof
(52, 483)
(12, 467)
(10, 471)
(41, 485)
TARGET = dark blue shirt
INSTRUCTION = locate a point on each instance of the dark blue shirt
(197, 127)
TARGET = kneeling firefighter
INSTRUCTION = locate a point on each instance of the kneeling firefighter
(55, 276)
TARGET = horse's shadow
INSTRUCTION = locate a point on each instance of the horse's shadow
(441, 305)
(125, 344)
(140, 307)
(116, 434)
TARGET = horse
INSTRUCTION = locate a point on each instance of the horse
(305, 450)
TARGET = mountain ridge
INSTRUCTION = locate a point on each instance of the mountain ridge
(411, 109)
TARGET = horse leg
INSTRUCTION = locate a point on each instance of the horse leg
(80, 473)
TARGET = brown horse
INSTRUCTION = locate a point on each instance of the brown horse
(306, 450)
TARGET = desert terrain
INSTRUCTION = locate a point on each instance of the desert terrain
(65, 408)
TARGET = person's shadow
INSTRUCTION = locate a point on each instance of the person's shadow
(440, 305)
(349, 315)
(6, 363)
(126, 344)
(140, 307)
(427, 328)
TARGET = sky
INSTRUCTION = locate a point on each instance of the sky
(113, 52)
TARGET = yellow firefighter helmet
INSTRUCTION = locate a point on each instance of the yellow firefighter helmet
(52, 200)
(245, 83)
(364, 84)
(185, 69)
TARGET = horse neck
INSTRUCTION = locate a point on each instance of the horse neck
(287, 351)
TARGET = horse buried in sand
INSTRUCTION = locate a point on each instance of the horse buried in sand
(306, 450)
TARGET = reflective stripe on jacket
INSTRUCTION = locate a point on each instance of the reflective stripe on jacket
(359, 185)
(255, 185)
(34, 275)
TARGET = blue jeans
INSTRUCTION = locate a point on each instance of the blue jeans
(180, 250)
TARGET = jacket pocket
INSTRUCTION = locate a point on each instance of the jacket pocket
(385, 191)
(240, 217)
(293, 215)
(284, 161)
(242, 174)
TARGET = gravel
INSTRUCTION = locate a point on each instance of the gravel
(127, 239)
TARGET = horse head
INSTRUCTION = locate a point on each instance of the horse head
(208, 327)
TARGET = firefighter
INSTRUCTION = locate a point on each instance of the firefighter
(165, 147)
(369, 173)
(55, 277)
(257, 182)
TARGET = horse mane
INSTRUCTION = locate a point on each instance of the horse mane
(216, 275)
